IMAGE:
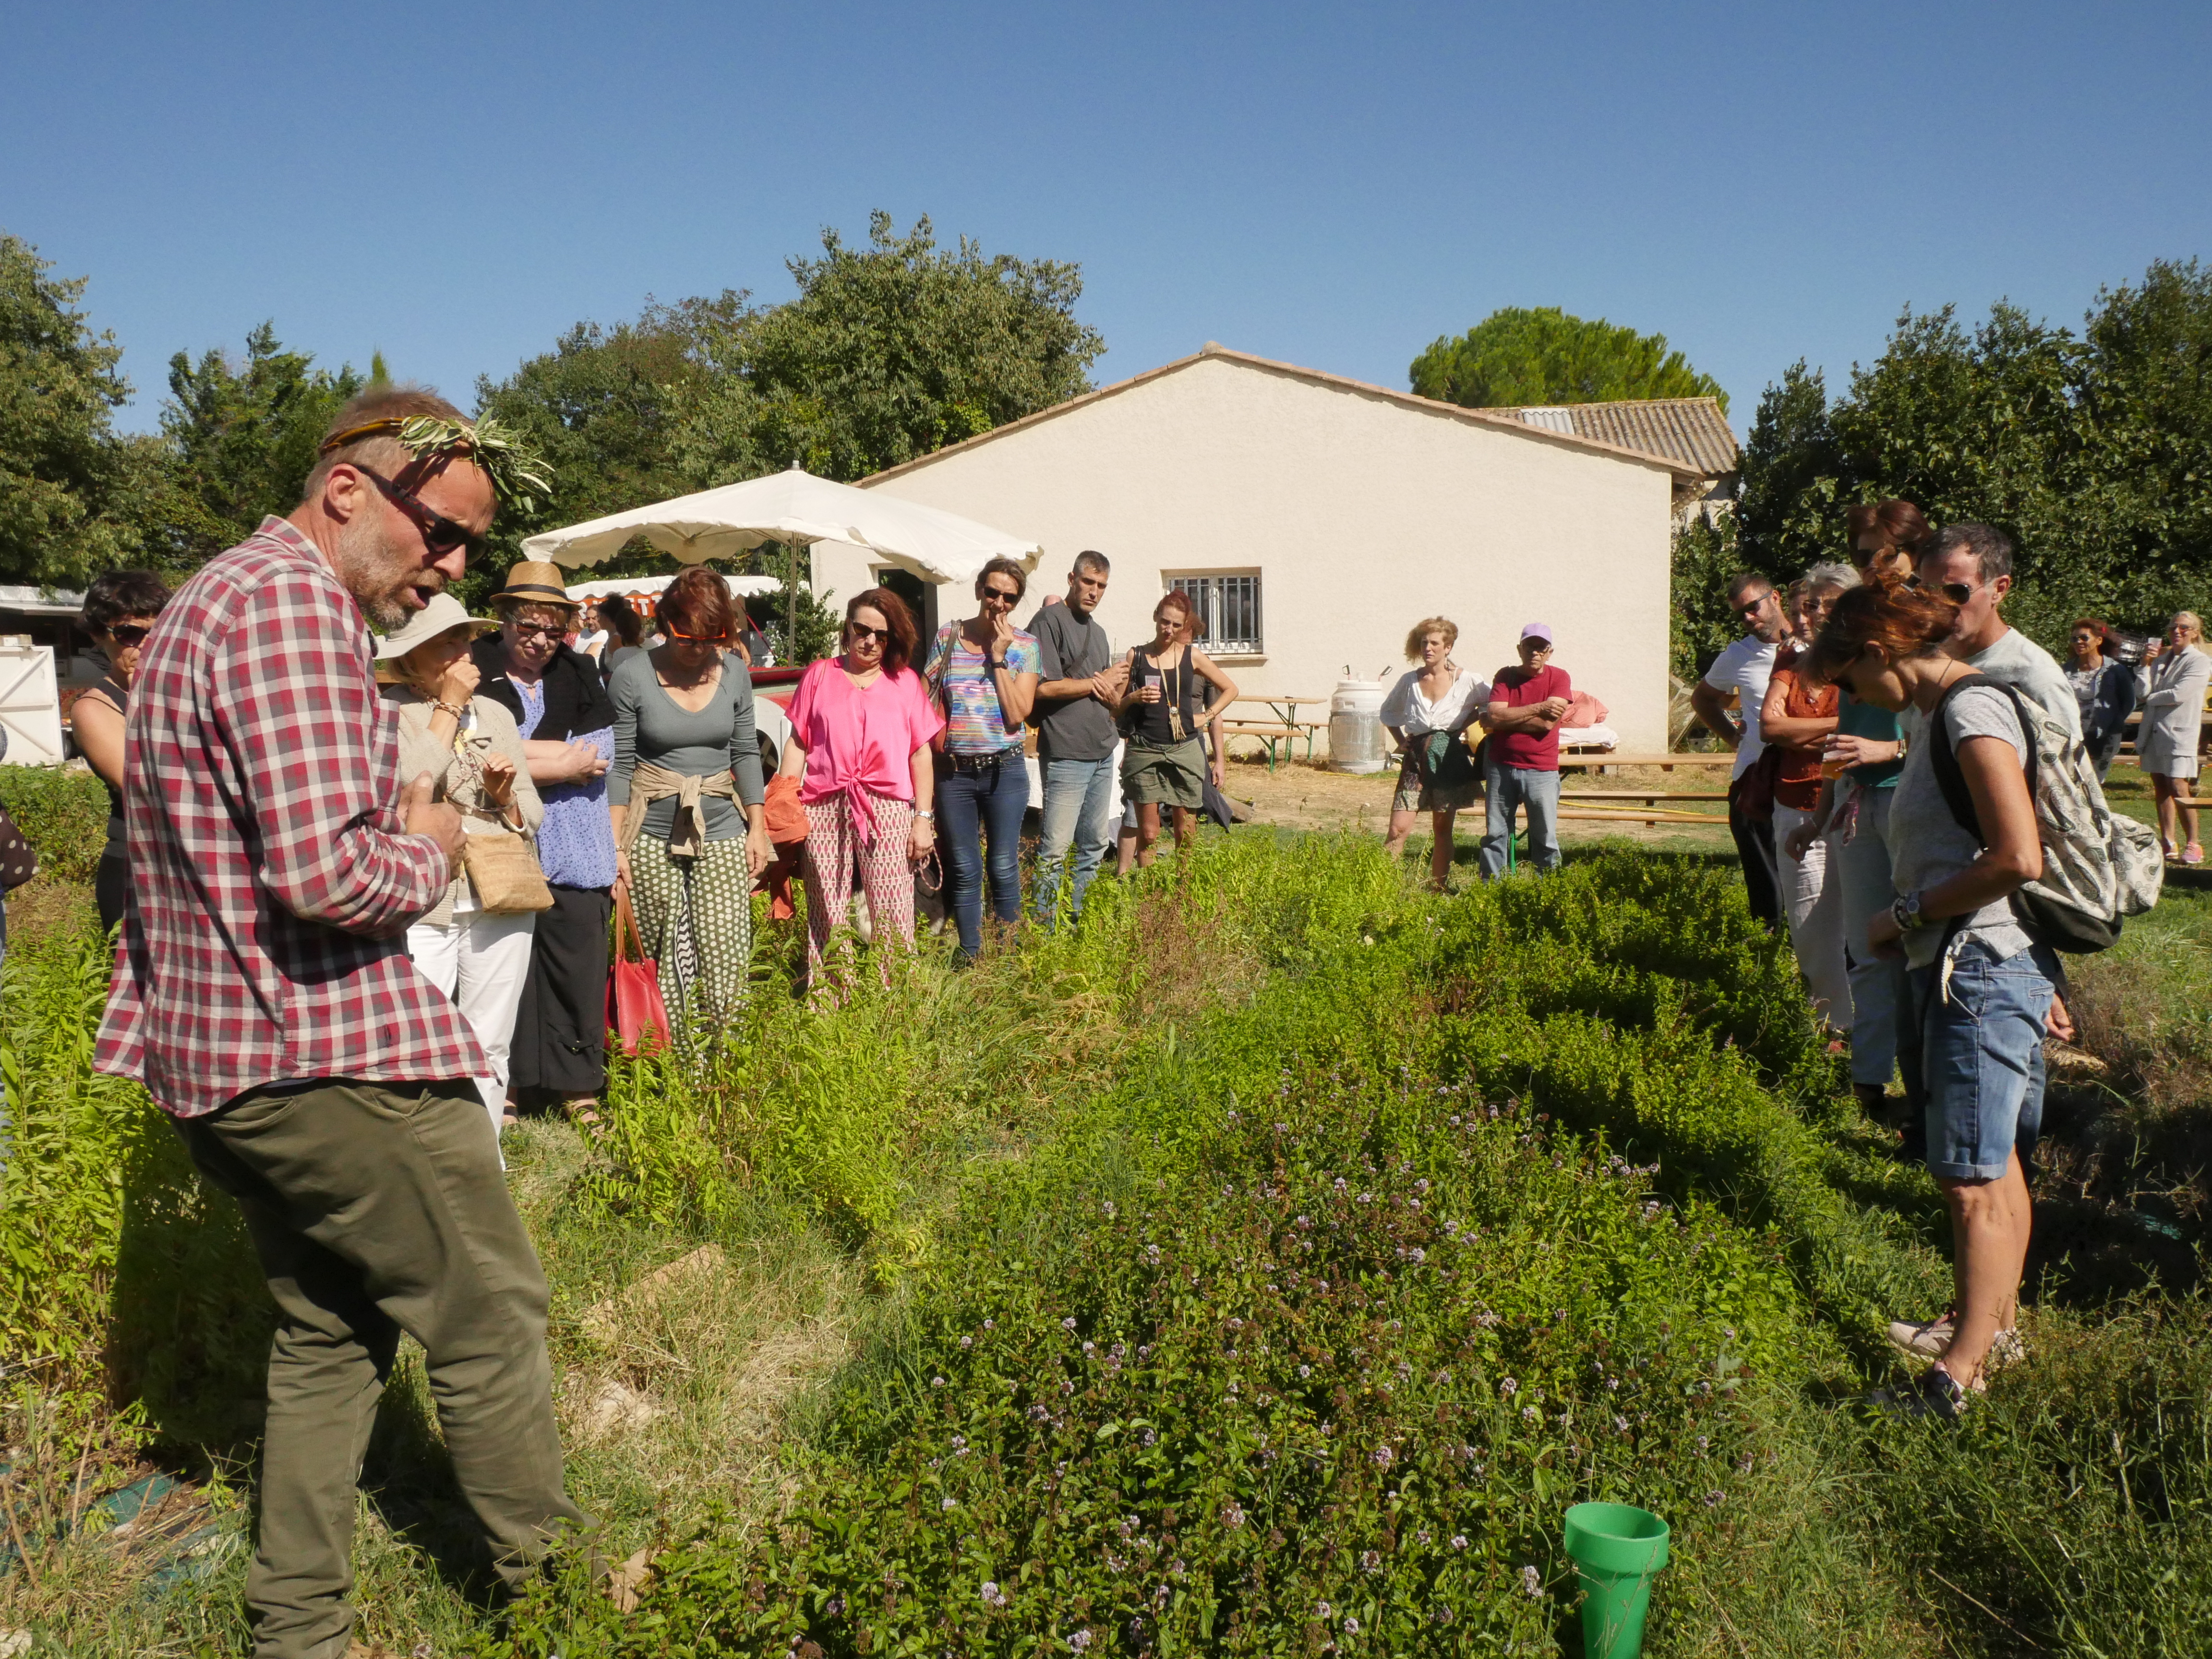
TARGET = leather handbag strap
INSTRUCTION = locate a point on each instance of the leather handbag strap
(625, 917)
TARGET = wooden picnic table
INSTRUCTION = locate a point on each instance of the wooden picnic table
(1666, 763)
(1647, 796)
(1279, 735)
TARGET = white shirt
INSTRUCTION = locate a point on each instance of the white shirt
(1409, 708)
(1745, 668)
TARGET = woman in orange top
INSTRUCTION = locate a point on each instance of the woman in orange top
(1796, 720)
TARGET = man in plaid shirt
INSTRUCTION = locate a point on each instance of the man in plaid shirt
(264, 994)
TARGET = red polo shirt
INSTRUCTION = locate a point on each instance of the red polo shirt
(1517, 688)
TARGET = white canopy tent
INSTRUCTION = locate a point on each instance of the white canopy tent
(650, 586)
(794, 506)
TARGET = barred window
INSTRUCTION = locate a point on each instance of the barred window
(1228, 609)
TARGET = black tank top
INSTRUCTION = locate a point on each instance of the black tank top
(1179, 691)
(119, 696)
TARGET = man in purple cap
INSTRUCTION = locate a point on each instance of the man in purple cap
(1528, 700)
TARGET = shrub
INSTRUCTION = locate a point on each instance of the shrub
(63, 814)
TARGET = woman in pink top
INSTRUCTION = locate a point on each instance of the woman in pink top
(860, 727)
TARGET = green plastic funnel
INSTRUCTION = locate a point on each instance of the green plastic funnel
(1619, 1550)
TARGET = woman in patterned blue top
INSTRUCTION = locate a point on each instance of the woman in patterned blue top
(983, 674)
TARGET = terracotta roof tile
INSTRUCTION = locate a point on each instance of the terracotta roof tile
(1691, 431)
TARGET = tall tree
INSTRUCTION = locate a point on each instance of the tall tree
(242, 434)
(65, 476)
(888, 352)
(2091, 450)
(600, 408)
(1519, 357)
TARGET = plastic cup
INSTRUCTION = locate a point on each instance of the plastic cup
(1619, 1550)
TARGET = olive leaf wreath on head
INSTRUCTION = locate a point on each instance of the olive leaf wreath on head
(518, 472)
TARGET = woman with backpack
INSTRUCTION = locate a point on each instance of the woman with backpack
(1424, 714)
(1981, 987)
(2173, 720)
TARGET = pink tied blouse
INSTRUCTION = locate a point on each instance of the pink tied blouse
(859, 740)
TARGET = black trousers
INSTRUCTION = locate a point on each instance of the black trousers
(110, 882)
(560, 1046)
(1754, 845)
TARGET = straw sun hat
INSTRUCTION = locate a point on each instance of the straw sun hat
(444, 611)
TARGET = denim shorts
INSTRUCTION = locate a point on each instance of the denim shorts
(1982, 1058)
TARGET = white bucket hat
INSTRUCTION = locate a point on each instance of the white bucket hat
(444, 611)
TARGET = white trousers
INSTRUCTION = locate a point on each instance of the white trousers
(480, 961)
(1814, 902)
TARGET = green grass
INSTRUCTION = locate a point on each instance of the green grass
(1642, 1196)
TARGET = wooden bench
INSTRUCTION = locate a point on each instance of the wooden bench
(1601, 758)
(1277, 736)
(1647, 797)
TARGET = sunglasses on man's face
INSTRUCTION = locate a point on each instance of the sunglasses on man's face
(1755, 606)
(1957, 593)
(128, 633)
(440, 534)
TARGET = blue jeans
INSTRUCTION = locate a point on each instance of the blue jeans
(1878, 989)
(974, 808)
(1076, 833)
(1517, 787)
(1979, 1058)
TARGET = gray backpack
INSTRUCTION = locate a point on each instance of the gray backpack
(2098, 865)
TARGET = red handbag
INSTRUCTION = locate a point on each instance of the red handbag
(636, 1012)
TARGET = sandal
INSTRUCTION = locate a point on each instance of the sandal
(2193, 853)
(583, 1112)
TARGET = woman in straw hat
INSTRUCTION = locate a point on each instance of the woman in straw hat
(468, 746)
(559, 701)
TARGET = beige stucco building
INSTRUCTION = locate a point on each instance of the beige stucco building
(1316, 518)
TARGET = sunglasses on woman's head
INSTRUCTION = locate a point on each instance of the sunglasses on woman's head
(440, 533)
(128, 633)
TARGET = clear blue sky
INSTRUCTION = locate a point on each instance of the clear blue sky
(1333, 186)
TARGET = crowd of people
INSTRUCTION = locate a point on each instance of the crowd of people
(1882, 801)
(366, 851)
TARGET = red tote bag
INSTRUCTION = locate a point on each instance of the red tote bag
(636, 1012)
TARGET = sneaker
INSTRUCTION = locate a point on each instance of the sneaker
(1927, 1339)
(1938, 1397)
(1931, 1340)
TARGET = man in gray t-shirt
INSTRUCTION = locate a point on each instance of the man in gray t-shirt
(1078, 686)
(1972, 564)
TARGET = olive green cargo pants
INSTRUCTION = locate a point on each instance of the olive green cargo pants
(379, 1208)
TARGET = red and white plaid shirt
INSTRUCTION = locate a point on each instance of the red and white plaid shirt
(271, 877)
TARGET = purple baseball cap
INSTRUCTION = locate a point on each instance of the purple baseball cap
(1537, 631)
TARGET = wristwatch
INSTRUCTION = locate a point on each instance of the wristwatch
(1906, 911)
(997, 664)
(927, 814)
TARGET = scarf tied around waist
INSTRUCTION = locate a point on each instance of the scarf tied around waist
(687, 834)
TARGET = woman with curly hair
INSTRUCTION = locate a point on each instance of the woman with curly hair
(1426, 714)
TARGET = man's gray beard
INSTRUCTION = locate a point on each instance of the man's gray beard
(376, 569)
